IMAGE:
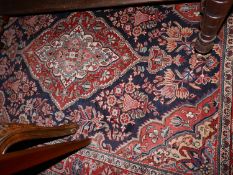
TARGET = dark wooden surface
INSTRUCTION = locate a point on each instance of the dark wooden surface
(14, 7)
(17, 161)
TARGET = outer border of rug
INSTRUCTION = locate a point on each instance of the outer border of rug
(118, 162)
(226, 111)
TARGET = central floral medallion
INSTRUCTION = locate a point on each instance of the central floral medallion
(73, 55)
(78, 56)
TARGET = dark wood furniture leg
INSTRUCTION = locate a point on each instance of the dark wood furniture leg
(214, 14)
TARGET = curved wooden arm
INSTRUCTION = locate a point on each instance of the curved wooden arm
(14, 133)
(17, 161)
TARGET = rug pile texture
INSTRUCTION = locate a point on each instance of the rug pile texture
(129, 77)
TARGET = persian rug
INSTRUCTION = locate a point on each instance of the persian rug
(129, 77)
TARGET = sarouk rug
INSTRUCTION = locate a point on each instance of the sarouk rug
(129, 77)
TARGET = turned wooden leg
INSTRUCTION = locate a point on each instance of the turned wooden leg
(214, 14)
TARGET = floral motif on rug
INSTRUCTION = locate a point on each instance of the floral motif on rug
(129, 77)
(78, 56)
(187, 11)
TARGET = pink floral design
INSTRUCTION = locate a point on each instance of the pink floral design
(176, 38)
(32, 24)
(88, 119)
(135, 21)
(124, 109)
